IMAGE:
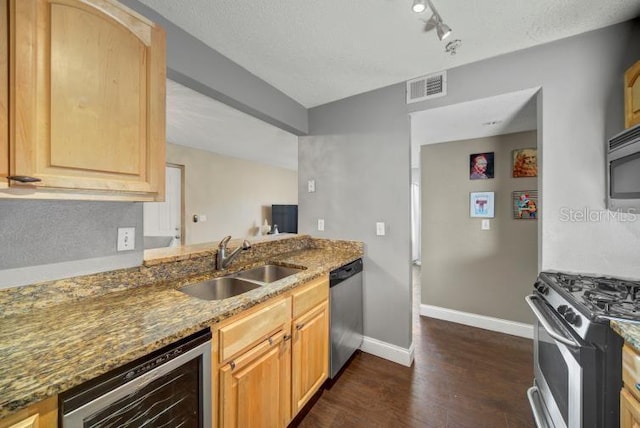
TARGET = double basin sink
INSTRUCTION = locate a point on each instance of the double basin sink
(238, 283)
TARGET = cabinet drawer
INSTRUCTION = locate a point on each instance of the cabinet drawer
(240, 334)
(310, 295)
(631, 370)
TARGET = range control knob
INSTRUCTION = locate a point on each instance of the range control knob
(572, 317)
(562, 309)
(541, 287)
(578, 321)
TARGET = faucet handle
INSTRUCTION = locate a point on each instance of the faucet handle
(224, 241)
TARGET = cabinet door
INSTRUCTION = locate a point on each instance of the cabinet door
(4, 93)
(310, 355)
(87, 96)
(255, 389)
(629, 410)
(40, 415)
(632, 96)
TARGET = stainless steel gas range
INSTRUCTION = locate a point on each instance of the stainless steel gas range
(577, 357)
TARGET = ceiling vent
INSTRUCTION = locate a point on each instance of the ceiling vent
(427, 87)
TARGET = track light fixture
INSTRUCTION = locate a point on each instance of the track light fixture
(418, 6)
(442, 30)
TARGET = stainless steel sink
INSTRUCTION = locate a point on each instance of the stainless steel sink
(267, 273)
(219, 288)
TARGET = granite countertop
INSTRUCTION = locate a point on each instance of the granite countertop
(47, 350)
(629, 330)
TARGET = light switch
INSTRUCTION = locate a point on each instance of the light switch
(321, 224)
(486, 224)
(380, 228)
(311, 185)
(126, 238)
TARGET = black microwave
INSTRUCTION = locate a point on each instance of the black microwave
(623, 171)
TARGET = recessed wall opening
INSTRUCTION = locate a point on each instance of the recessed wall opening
(476, 210)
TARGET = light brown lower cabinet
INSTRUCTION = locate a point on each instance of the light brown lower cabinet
(629, 410)
(40, 415)
(310, 350)
(269, 360)
(254, 387)
(629, 396)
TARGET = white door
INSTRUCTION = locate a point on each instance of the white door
(163, 220)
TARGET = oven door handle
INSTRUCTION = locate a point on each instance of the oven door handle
(547, 325)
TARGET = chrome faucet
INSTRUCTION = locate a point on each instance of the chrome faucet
(222, 260)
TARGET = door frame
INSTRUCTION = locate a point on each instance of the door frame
(182, 203)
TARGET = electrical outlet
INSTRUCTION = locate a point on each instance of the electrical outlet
(320, 224)
(380, 228)
(311, 186)
(126, 238)
(486, 224)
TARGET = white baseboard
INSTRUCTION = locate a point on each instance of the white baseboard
(481, 321)
(388, 351)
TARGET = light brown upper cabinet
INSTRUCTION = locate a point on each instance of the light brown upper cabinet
(4, 93)
(632, 96)
(86, 100)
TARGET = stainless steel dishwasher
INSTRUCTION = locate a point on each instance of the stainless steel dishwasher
(346, 324)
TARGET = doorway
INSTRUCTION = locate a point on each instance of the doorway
(476, 271)
(164, 221)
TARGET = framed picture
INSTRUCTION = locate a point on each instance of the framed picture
(481, 204)
(481, 166)
(525, 204)
(525, 163)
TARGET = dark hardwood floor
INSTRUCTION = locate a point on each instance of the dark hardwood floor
(462, 377)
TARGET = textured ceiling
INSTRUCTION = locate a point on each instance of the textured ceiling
(197, 121)
(321, 51)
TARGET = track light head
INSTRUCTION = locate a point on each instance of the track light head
(419, 6)
(442, 30)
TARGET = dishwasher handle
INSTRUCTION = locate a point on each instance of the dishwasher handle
(345, 272)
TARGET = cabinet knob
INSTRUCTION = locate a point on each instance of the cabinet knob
(232, 364)
(299, 326)
(24, 179)
(286, 337)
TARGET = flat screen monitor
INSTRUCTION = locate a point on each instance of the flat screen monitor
(286, 217)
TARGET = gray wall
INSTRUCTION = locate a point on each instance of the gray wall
(359, 147)
(486, 272)
(358, 155)
(195, 65)
(44, 240)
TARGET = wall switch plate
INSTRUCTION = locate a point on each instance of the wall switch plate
(311, 186)
(380, 228)
(320, 224)
(126, 238)
(199, 218)
(486, 224)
